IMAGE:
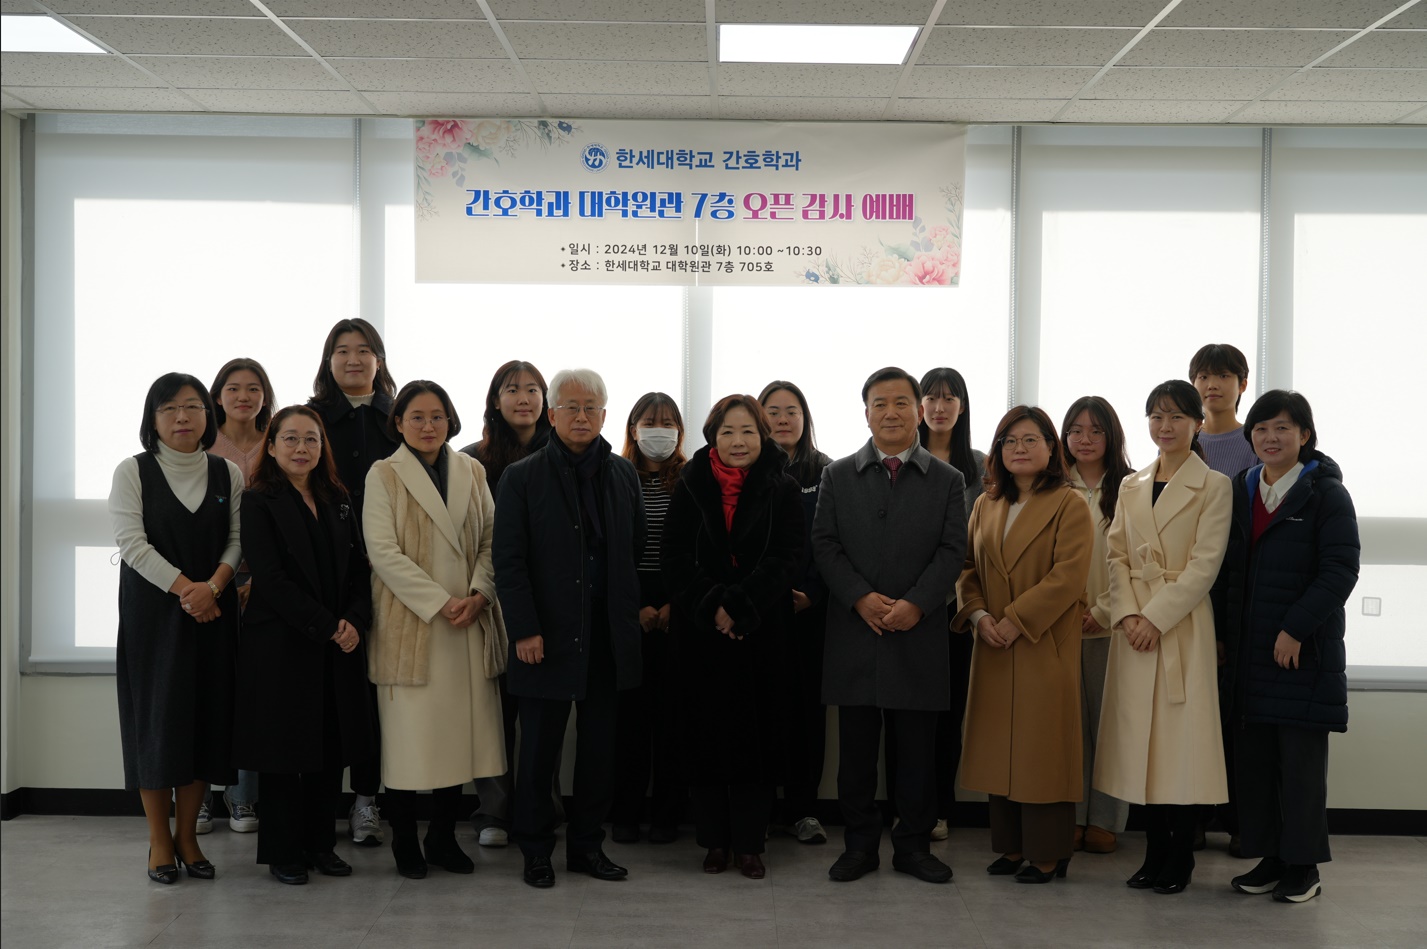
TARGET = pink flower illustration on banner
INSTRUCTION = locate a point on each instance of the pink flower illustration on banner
(884, 271)
(940, 235)
(930, 270)
(437, 167)
(442, 135)
(448, 148)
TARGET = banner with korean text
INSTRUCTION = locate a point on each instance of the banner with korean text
(595, 201)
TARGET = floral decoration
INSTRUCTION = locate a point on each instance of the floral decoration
(931, 256)
(446, 147)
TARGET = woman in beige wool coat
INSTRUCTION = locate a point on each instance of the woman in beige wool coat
(438, 639)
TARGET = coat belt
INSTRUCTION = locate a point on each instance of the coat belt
(1155, 577)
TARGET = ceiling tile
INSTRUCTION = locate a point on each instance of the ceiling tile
(1413, 19)
(650, 11)
(992, 82)
(664, 42)
(11, 104)
(422, 39)
(109, 100)
(431, 75)
(420, 104)
(1281, 14)
(649, 79)
(152, 7)
(1383, 48)
(16, 6)
(70, 69)
(241, 72)
(977, 110)
(1143, 82)
(1417, 117)
(397, 9)
(1149, 111)
(801, 108)
(630, 107)
(1324, 113)
(266, 100)
(788, 79)
(904, 12)
(190, 36)
(1134, 13)
(968, 46)
(1362, 85)
(1233, 47)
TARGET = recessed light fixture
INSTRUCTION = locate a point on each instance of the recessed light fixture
(25, 33)
(804, 43)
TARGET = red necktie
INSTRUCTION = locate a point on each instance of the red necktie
(893, 466)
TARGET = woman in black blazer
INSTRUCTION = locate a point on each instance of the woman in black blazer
(732, 538)
(305, 709)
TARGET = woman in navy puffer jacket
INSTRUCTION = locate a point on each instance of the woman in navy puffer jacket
(1291, 565)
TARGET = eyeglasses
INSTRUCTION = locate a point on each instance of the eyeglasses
(574, 410)
(292, 441)
(421, 421)
(1029, 442)
(1093, 434)
(191, 408)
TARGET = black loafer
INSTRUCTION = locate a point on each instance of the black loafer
(1004, 866)
(596, 864)
(539, 872)
(923, 866)
(445, 853)
(294, 874)
(853, 864)
(329, 864)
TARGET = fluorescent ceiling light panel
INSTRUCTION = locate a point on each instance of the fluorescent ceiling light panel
(41, 34)
(802, 43)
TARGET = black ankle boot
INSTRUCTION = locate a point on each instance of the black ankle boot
(441, 847)
(401, 814)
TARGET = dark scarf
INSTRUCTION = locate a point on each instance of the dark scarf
(587, 467)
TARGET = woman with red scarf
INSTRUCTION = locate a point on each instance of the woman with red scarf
(732, 539)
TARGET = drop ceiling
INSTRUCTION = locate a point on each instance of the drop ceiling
(1256, 62)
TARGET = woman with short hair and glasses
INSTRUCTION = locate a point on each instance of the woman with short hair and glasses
(174, 508)
(438, 640)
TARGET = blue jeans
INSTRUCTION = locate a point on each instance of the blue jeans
(244, 792)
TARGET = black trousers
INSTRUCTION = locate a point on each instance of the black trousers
(648, 742)
(1040, 832)
(297, 815)
(1282, 775)
(367, 775)
(859, 737)
(732, 817)
(803, 723)
(948, 730)
(542, 735)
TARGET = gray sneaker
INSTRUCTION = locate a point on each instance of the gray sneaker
(809, 831)
(365, 825)
(205, 820)
(493, 835)
(940, 831)
(242, 818)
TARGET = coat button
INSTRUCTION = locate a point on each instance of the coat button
(881, 513)
(355, 452)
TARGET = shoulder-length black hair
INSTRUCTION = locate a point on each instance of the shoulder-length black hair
(805, 453)
(163, 390)
(271, 479)
(500, 447)
(999, 481)
(1220, 357)
(1275, 401)
(962, 457)
(324, 384)
(1117, 459)
(727, 404)
(265, 414)
(410, 391)
(669, 468)
(1183, 397)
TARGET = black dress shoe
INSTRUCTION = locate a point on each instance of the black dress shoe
(624, 833)
(663, 834)
(1144, 878)
(166, 874)
(443, 851)
(596, 864)
(751, 866)
(923, 866)
(294, 874)
(1034, 874)
(1175, 876)
(716, 860)
(853, 864)
(329, 864)
(1004, 866)
(539, 872)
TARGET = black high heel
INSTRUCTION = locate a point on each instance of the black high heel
(166, 874)
(1005, 866)
(198, 869)
(1176, 875)
(1034, 874)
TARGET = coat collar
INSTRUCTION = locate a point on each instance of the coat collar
(1138, 496)
(418, 484)
(335, 406)
(1040, 508)
(290, 509)
(866, 457)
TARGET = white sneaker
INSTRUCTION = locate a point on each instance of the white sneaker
(940, 831)
(365, 826)
(205, 820)
(809, 831)
(493, 836)
(242, 818)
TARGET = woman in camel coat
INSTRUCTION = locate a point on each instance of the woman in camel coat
(438, 639)
(1022, 593)
(1160, 742)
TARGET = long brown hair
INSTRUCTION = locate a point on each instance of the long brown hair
(1000, 483)
(270, 479)
(1117, 459)
(670, 468)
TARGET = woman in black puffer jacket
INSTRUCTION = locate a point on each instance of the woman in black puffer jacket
(1291, 565)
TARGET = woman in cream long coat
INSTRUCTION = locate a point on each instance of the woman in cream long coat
(1159, 738)
(1022, 593)
(438, 639)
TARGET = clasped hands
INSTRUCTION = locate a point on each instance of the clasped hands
(1140, 633)
(882, 614)
(999, 634)
(346, 636)
(197, 600)
(652, 618)
(461, 612)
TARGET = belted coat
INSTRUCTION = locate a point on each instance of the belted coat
(1159, 737)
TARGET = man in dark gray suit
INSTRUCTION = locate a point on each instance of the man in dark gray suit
(889, 538)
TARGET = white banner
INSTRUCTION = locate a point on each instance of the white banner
(689, 203)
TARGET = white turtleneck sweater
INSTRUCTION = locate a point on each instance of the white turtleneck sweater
(187, 476)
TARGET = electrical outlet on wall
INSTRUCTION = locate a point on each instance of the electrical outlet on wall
(1372, 606)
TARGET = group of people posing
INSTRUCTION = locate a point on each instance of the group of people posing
(332, 585)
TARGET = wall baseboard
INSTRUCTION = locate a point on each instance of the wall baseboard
(108, 802)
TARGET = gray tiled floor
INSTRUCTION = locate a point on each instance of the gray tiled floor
(80, 882)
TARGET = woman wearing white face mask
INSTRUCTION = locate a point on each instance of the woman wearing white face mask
(647, 739)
